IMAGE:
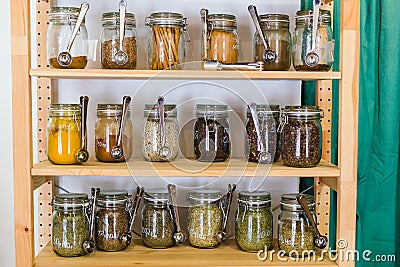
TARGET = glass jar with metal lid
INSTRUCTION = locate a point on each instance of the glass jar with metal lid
(303, 42)
(268, 142)
(220, 38)
(161, 132)
(70, 224)
(276, 31)
(167, 38)
(205, 217)
(112, 219)
(106, 132)
(301, 136)
(211, 133)
(295, 233)
(158, 225)
(110, 41)
(254, 220)
(63, 133)
(62, 22)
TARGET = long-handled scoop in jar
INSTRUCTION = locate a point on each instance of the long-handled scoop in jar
(65, 58)
(83, 155)
(164, 151)
(126, 238)
(221, 234)
(320, 241)
(179, 237)
(117, 152)
(88, 245)
(263, 157)
(204, 32)
(120, 56)
(312, 58)
(269, 54)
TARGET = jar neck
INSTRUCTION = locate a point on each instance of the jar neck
(296, 208)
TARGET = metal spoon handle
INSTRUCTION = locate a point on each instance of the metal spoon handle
(95, 193)
(84, 100)
(229, 195)
(172, 191)
(161, 110)
(122, 11)
(126, 100)
(303, 202)
(82, 12)
(316, 7)
(253, 110)
(204, 32)
(136, 203)
(253, 13)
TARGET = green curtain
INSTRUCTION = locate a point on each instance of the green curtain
(379, 131)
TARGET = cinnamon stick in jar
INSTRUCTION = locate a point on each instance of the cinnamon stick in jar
(165, 47)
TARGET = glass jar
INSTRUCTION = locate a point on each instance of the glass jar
(254, 220)
(112, 219)
(275, 28)
(70, 224)
(302, 41)
(211, 133)
(223, 40)
(63, 133)
(62, 23)
(110, 41)
(152, 133)
(295, 233)
(268, 119)
(158, 225)
(205, 218)
(167, 39)
(301, 136)
(106, 132)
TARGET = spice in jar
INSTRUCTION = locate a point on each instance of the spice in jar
(70, 225)
(78, 62)
(301, 136)
(211, 133)
(204, 218)
(158, 227)
(253, 228)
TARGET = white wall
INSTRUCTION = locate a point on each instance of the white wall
(7, 251)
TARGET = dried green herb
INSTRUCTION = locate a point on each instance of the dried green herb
(70, 229)
(295, 237)
(254, 229)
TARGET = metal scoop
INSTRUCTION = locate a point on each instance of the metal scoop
(164, 151)
(263, 157)
(120, 56)
(179, 237)
(204, 32)
(88, 245)
(269, 54)
(320, 241)
(83, 155)
(216, 65)
(65, 58)
(126, 238)
(117, 152)
(312, 58)
(221, 234)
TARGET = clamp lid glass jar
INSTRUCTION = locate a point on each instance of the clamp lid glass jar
(268, 122)
(70, 224)
(153, 132)
(222, 38)
(158, 225)
(275, 28)
(63, 133)
(211, 133)
(110, 37)
(112, 219)
(254, 221)
(62, 21)
(167, 39)
(205, 218)
(295, 234)
(303, 41)
(106, 132)
(301, 136)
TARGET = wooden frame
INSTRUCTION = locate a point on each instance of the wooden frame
(28, 177)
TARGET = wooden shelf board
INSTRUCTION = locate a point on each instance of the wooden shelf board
(182, 167)
(180, 74)
(137, 254)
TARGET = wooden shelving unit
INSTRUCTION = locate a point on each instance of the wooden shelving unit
(29, 176)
